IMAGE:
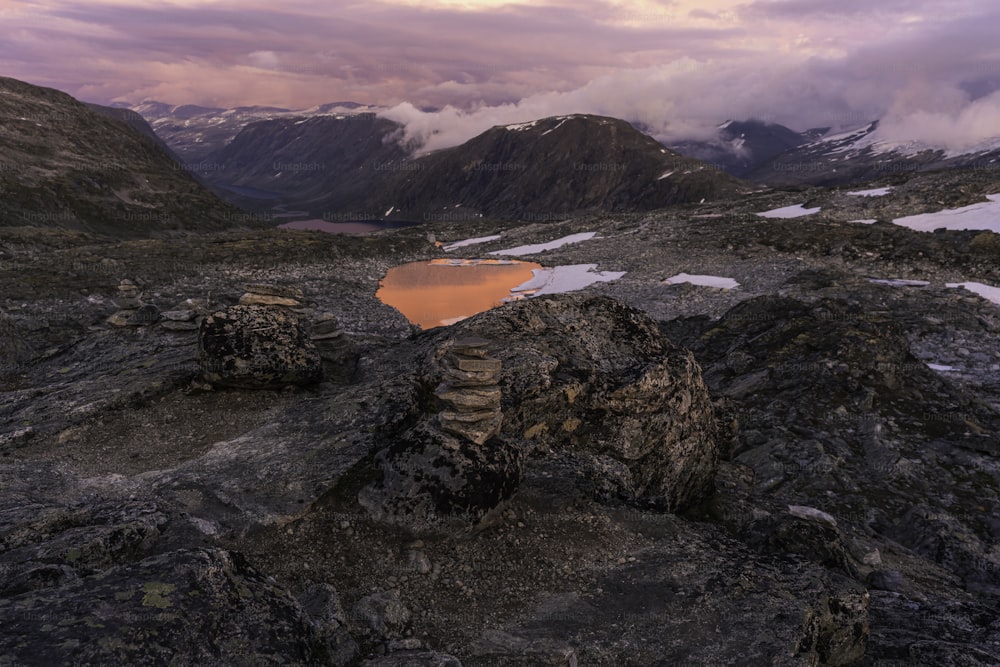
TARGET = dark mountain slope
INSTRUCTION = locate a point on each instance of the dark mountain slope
(323, 163)
(550, 168)
(741, 146)
(64, 165)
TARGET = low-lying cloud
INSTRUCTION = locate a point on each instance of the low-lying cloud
(929, 68)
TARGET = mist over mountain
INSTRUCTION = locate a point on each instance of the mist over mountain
(867, 154)
(740, 146)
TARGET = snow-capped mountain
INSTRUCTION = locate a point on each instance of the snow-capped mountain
(865, 154)
(194, 132)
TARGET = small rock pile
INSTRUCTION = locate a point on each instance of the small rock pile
(272, 295)
(132, 311)
(470, 392)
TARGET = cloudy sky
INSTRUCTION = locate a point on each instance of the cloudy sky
(931, 69)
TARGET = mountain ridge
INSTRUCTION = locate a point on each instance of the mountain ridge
(70, 166)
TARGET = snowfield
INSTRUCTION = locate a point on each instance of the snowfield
(467, 242)
(876, 192)
(988, 292)
(984, 216)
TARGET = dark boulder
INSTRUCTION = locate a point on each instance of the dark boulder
(251, 346)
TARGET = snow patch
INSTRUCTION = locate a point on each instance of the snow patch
(389, 212)
(665, 175)
(467, 242)
(875, 192)
(542, 247)
(988, 292)
(866, 221)
(702, 281)
(977, 216)
(939, 367)
(900, 282)
(556, 127)
(796, 211)
(560, 279)
(517, 127)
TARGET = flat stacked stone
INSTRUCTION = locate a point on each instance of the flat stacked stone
(335, 349)
(179, 320)
(132, 311)
(469, 391)
(272, 295)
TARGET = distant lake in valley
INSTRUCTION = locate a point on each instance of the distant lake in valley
(347, 227)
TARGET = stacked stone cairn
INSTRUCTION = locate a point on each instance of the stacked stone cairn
(469, 392)
(451, 468)
(339, 357)
(132, 311)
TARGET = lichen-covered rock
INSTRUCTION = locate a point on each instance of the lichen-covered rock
(198, 606)
(256, 347)
(430, 477)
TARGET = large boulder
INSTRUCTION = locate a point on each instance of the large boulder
(591, 375)
(253, 346)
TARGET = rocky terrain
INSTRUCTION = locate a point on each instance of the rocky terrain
(65, 165)
(224, 449)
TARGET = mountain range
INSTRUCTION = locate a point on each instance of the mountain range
(741, 146)
(195, 132)
(549, 169)
(862, 155)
